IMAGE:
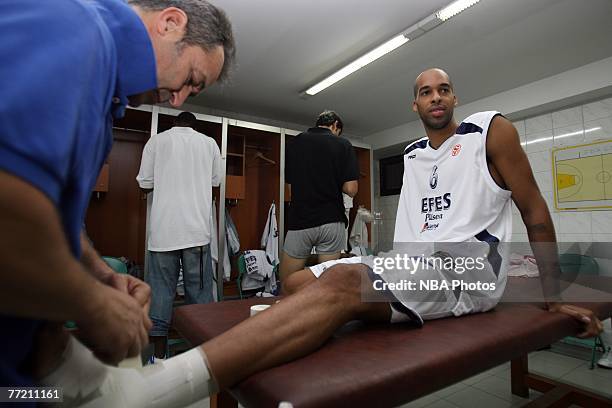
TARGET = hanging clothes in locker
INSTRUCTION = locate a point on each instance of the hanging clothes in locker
(269, 238)
(214, 244)
(214, 235)
(359, 232)
(259, 272)
(348, 204)
(232, 246)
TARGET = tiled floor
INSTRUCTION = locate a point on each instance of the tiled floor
(491, 389)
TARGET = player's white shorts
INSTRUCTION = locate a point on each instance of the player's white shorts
(413, 296)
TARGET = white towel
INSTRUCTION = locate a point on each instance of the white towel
(269, 238)
(523, 265)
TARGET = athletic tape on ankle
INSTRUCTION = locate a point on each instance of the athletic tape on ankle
(180, 380)
(80, 371)
(214, 384)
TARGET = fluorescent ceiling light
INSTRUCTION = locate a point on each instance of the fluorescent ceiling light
(358, 64)
(412, 32)
(455, 8)
(579, 132)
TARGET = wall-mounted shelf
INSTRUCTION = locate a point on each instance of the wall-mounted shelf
(235, 180)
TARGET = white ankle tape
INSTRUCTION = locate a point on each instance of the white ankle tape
(89, 383)
(180, 380)
(80, 371)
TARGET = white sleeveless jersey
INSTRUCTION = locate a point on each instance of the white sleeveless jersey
(448, 195)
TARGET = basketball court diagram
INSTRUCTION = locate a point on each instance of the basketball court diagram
(582, 176)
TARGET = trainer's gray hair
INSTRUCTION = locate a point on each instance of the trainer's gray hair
(207, 27)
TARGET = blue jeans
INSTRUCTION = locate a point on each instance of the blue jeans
(163, 275)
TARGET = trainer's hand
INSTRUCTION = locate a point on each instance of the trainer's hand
(132, 286)
(592, 325)
(113, 325)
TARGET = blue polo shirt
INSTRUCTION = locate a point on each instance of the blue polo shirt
(68, 68)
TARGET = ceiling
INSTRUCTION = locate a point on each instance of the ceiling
(285, 47)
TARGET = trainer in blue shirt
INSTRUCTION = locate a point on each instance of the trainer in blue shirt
(70, 67)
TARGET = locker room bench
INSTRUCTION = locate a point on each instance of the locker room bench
(387, 365)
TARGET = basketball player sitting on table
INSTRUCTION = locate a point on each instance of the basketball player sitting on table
(458, 184)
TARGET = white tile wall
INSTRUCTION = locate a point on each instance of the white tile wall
(566, 117)
(555, 219)
(567, 127)
(550, 199)
(545, 181)
(520, 238)
(569, 135)
(602, 237)
(539, 141)
(599, 129)
(597, 110)
(538, 123)
(540, 161)
(518, 226)
(584, 226)
(574, 222)
(573, 238)
(520, 127)
(601, 222)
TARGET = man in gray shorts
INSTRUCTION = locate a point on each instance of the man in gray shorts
(320, 167)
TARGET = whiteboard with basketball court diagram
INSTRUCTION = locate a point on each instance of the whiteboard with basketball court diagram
(582, 176)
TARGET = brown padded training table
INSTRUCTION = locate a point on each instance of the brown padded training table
(386, 365)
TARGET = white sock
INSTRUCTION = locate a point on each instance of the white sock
(87, 382)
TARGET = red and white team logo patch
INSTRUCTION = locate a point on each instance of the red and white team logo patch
(456, 150)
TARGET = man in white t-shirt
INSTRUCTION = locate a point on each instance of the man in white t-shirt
(181, 166)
